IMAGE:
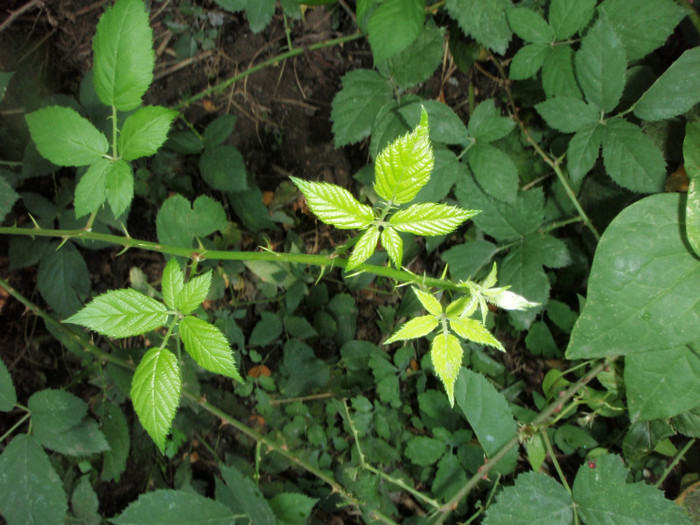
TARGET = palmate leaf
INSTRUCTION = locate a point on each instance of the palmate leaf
(446, 355)
(430, 219)
(364, 248)
(335, 205)
(404, 166)
(415, 328)
(193, 293)
(124, 58)
(155, 392)
(208, 347)
(121, 313)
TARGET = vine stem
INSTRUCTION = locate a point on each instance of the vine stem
(539, 422)
(322, 261)
(88, 346)
(262, 65)
(675, 462)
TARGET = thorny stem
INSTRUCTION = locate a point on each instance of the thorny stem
(675, 462)
(553, 163)
(81, 339)
(262, 65)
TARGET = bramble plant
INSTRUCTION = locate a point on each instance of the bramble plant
(546, 372)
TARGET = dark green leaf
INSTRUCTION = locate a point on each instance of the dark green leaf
(494, 171)
(8, 395)
(356, 105)
(558, 79)
(522, 270)
(534, 498)
(30, 489)
(65, 138)
(83, 439)
(530, 26)
(303, 372)
(466, 260)
(394, 25)
(528, 60)
(489, 416)
(218, 130)
(90, 192)
(445, 124)
(145, 131)
(641, 25)
(631, 158)
(63, 278)
(55, 411)
(601, 66)
(662, 383)
(119, 186)
(568, 17)
(124, 58)
(177, 222)
(691, 154)
(638, 296)
(299, 327)
(487, 124)
(84, 502)
(674, 92)
(291, 507)
(449, 477)
(222, 167)
(568, 114)
(424, 450)
(166, 507)
(116, 431)
(388, 126)
(247, 497)
(8, 196)
(418, 61)
(539, 341)
(485, 21)
(266, 330)
(583, 151)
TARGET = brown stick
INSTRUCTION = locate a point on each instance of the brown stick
(16, 14)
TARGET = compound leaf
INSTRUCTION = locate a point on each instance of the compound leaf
(65, 138)
(90, 191)
(413, 329)
(674, 92)
(155, 392)
(121, 313)
(172, 282)
(30, 489)
(601, 66)
(364, 247)
(446, 356)
(193, 293)
(404, 166)
(530, 26)
(394, 25)
(568, 114)
(335, 205)
(145, 131)
(174, 506)
(635, 301)
(124, 58)
(430, 219)
(355, 106)
(568, 17)
(631, 158)
(485, 21)
(208, 347)
(119, 186)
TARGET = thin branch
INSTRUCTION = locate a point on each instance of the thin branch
(14, 15)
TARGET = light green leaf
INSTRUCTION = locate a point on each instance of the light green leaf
(155, 392)
(446, 126)
(473, 330)
(662, 383)
(124, 58)
(528, 60)
(90, 191)
(208, 347)
(420, 59)
(691, 155)
(55, 411)
(119, 186)
(641, 25)
(364, 248)
(424, 450)
(177, 223)
(356, 105)
(489, 415)
(193, 293)
(392, 243)
(247, 497)
(533, 498)
(63, 278)
(640, 287)
(568, 17)
(394, 25)
(172, 282)
(446, 356)
(223, 169)
(335, 205)
(30, 489)
(145, 131)
(602, 495)
(430, 219)
(8, 395)
(674, 92)
(494, 170)
(163, 507)
(558, 79)
(121, 313)
(429, 302)
(568, 114)
(65, 138)
(583, 151)
(485, 21)
(530, 26)
(601, 66)
(404, 166)
(413, 329)
(8, 197)
(292, 508)
(631, 158)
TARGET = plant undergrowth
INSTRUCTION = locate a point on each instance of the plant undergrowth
(506, 332)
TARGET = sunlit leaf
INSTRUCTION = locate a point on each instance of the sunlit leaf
(430, 219)
(473, 330)
(172, 282)
(334, 205)
(417, 327)
(364, 247)
(208, 347)
(193, 293)
(446, 356)
(392, 243)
